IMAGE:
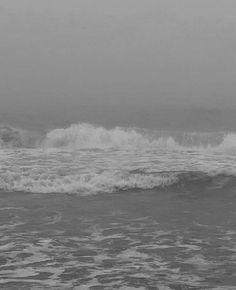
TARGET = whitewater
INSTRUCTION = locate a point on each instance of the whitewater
(88, 207)
(86, 159)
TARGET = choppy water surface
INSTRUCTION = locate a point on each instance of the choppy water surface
(146, 240)
(91, 208)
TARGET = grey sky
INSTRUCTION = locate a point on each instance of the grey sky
(56, 53)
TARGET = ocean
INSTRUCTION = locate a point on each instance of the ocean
(86, 207)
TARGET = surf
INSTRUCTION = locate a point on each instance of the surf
(89, 136)
(89, 159)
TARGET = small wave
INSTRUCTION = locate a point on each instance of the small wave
(83, 184)
(110, 182)
(11, 137)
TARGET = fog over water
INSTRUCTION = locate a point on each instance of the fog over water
(162, 64)
(118, 144)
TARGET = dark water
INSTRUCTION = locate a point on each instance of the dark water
(175, 239)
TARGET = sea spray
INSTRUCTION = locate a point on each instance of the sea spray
(88, 136)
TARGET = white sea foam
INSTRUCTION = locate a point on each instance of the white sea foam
(84, 183)
(87, 136)
(87, 159)
(228, 145)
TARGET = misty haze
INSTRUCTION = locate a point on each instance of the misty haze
(118, 144)
(64, 61)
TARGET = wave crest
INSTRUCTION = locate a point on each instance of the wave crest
(106, 182)
(18, 138)
(109, 182)
(87, 136)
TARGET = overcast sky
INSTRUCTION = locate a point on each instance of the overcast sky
(110, 52)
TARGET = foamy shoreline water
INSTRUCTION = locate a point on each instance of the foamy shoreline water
(164, 240)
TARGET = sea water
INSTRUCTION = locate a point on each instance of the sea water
(87, 207)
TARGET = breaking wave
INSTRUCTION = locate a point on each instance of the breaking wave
(87, 159)
(87, 136)
(83, 184)
(115, 182)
